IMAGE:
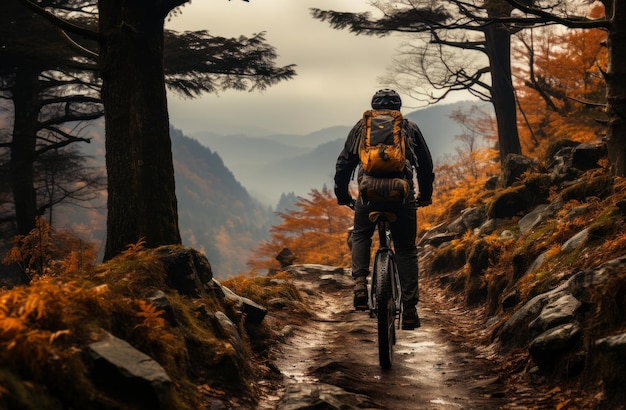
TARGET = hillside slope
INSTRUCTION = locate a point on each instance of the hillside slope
(216, 213)
(541, 259)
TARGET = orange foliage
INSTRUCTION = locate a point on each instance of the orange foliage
(38, 252)
(561, 92)
(316, 232)
(460, 179)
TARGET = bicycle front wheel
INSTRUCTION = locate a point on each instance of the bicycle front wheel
(385, 308)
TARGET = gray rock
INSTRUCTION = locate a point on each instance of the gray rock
(474, 217)
(342, 280)
(442, 239)
(614, 345)
(231, 331)
(491, 225)
(550, 345)
(253, 312)
(534, 218)
(515, 329)
(432, 232)
(457, 226)
(128, 373)
(299, 396)
(575, 241)
(555, 313)
(536, 263)
(515, 166)
(469, 219)
(578, 284)
(188, 271)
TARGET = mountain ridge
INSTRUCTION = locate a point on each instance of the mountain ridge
(290, 163)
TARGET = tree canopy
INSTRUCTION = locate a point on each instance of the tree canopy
(136, 59)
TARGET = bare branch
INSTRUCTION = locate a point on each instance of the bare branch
(61, 23)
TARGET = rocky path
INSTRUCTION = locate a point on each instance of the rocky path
(331, 362)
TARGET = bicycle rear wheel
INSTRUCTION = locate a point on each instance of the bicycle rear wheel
(385, 308)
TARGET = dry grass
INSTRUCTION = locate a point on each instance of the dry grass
(45, 325)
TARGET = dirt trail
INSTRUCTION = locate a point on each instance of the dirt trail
(432, 368)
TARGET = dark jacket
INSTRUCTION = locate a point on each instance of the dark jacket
(348, 160)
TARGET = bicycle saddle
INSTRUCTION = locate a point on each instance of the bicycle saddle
(388, 215)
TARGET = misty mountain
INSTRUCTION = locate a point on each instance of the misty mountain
(245, 151)
(216, 213)
(226, 186)
(281, 163)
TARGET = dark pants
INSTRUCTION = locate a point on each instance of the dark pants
(403, 232)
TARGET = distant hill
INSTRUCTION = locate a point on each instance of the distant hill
(216, 213)
(438, 129)
(277, 164)
(227, 186)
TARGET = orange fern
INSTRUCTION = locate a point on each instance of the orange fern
(134, 248)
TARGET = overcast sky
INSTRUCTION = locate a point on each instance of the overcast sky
(336, 71)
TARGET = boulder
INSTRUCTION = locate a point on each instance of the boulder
(555, 313)
(286, 257)
(575, 241)
(129, 374)
(614, 346)
(252, 311)
(490, 225)
(188, 271)
(533, 218)
(515, 166)
(586, 156)
(511, 202)
(550, 345)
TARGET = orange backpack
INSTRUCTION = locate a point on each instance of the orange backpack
(383, 147)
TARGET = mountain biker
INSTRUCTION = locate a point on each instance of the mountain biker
(404, 229)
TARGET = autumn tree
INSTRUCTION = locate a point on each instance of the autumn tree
(316, 231)
(131, 54)
(561, 87)
(453, 35)
(47, 87)
(463, 174)
(476, 142)
(579, 15)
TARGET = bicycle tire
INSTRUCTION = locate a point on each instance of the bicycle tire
(385, 308)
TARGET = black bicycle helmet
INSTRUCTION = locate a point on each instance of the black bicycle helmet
(386, 99)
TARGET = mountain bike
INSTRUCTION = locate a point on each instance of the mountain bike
(385, 290)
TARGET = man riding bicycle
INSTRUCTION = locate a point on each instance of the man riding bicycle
(404, 229)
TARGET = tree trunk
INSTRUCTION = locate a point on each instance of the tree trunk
(25, 127)
(498, 46)
(140, 172)
(616, 87)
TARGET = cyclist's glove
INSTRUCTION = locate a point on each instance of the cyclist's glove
(349, 203)
(424, 201)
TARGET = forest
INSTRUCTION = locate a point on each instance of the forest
(530, 210)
